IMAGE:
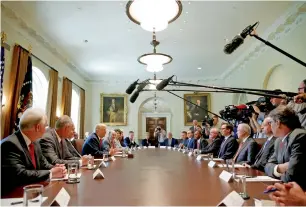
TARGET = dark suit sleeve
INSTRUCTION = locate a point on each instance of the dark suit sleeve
(230, 150)
(252, 152)
(272, 162)
(43, 161)
(15, 169)
(213, 148)
(264, 159)
(94, 148)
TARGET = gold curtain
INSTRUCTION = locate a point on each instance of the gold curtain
(82, 114)
(52, 97)
(17, 75)
(66, 97)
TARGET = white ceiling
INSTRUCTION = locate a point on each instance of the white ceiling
(195, 39)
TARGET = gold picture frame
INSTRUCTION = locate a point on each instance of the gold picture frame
(113, 109)
(192, 112)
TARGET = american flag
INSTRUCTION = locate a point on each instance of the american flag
(2, 73)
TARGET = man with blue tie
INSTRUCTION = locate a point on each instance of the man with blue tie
(170, 141)
(267, 149)
(191, 141)
(229, 145)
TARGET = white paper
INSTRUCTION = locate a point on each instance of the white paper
(236, 165)
(151, 147)
(102, 163)
(162, 147)
(66, 177)
(214, 159)
(118, 155)
(190, 154)
(113, 158)
(97, 172)
(62, 198)
(259, 179)
(118, 152)
(212, 164)
(226, 176)
(264, 203)
(169, 148)
(233, 199)
(98, 159)
(8, 201)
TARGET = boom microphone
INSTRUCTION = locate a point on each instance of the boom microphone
(132, 87)
(238, 39)
(163, 83)
(134, 96)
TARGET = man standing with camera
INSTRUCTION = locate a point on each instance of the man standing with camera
(160, 135)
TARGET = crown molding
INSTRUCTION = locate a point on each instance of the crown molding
(13, 19)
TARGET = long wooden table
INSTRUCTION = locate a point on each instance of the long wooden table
(153, 177)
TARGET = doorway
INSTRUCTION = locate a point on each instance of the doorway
(153, 122)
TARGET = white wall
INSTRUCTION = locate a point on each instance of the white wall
(17, 35)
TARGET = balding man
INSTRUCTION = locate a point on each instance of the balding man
(214, 146)
(170, 141)
(248, 148)
(94, 142)
(54, 146)
(22, 162)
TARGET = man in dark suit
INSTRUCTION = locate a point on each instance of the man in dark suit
(71, 147)
(229, 145)
(191, 144)
(54, 145)
(214, 146)
(195, 126)
(170, 141)
(267, 149)
(129, 141)
(22, 162)
(248, 148)
(201, 143)
(184, 140)
(288, 160)
(94, 143)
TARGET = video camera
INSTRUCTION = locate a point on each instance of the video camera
(207, 120)
(244, 111)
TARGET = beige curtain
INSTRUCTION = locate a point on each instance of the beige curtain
(66, 97)
(52, 97)
(17, 75)
(82, 114)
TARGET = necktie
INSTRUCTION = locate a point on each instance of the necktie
(101, 143)
(32, 154)
(198, 147)
(266, 143)
(236, 155)
(62, 149)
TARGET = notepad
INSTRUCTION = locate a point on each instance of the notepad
(65, 178)
(259, 179)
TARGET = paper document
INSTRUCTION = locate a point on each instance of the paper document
(215, 159)
(259, 179)
(118, 155)
(264, 202)
(224, 165)
(8, 201)
(65, 178)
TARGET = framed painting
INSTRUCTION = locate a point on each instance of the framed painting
(113, 109)
(192, 112)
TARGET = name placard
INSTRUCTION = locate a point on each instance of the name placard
(212, 164)
(226, 176)
(232, 199)
(98, 174)
(62, 198)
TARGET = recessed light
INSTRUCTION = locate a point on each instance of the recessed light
(189, 2)
(186, 12)
(181, 29)
(199, 68)
(85, 41)
(184, 21)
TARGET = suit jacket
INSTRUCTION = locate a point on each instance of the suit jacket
(228, 148)
(54, 151)
(203, 143)
(16, 165)
(173, 142)
(191, 143)
(264, 154)
(130, 144)
(294, 152)
(213, 147)
(72, 149)
(192, 129)
(92, 146)
(248, 151)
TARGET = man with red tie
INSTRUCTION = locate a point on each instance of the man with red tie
(22, 162)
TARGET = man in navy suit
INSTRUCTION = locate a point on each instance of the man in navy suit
(229, 145)
(191, 144)
(214, 146)
(248, 148)
(184, 140)
(170, 141)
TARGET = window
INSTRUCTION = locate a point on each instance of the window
(40, 88)
(75, 107)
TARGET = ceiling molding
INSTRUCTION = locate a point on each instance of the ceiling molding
(21, 24)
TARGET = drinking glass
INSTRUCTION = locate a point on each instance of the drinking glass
(123, 152)
(105, 156)
(73, 172)
(32, 195)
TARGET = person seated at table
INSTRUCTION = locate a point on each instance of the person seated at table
(288, 194)
(109, 142)
(214, 146)
(248, 148)
(191, 141)
(201, 143)
(122, 139)
(117, 139)
(288, 160)
(146, 141)
(71, 144)
(93, 145)
(229, 144)
(22, 162)
(54, 145)
(184, 139)
(129, 141)
(267, 149)
(170, 141)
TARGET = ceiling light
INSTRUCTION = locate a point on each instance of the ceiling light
(154, 14)
(154, 61)
(199, 68)
(153, 83)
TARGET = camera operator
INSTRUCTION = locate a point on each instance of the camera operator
(256, 128)
(160, 135)
(207, 124)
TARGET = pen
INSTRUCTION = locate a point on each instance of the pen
(16, 202)
(270, 191)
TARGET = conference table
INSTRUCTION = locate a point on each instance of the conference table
(159, 177)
